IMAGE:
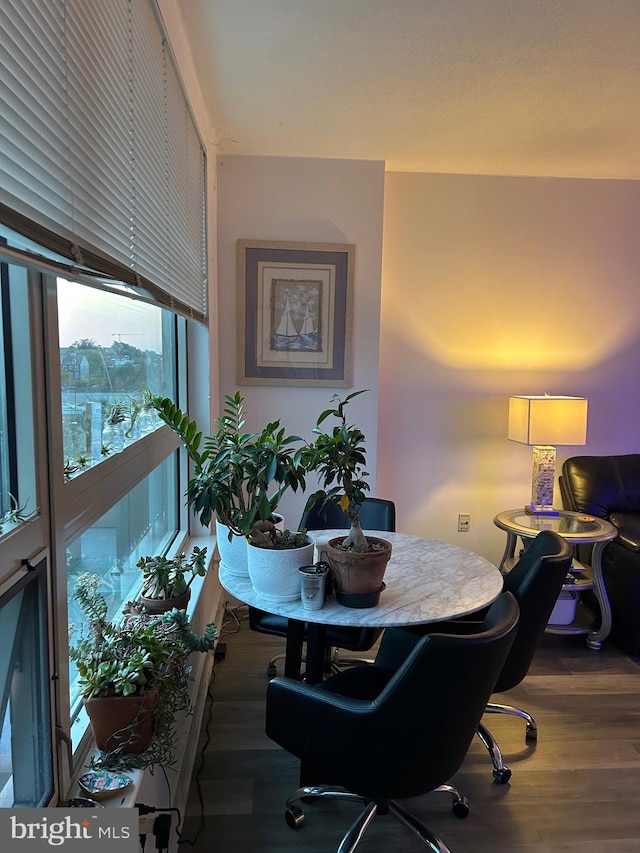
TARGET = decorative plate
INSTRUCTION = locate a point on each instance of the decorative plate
(102, 783)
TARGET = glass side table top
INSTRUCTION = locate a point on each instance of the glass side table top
(573, 526)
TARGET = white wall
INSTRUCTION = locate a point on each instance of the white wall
(495, 286)
(306, 200)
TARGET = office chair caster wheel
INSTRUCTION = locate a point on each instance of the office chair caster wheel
(502, 776)
(294, 817)
(461, 808)
(531, 734)
(271, 670)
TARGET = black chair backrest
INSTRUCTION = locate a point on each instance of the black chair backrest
(536, 581)
(375, 514)
(414, 733)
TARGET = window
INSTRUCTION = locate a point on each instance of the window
(144, 521)
(113, 351)
(7, 478)
(26, 772)
(112, 200)
(129, 505)
(17, 457)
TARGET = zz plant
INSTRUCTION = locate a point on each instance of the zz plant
(239, 476)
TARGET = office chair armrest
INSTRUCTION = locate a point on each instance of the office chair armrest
(299, 715)
(310, 698)
(463, 626)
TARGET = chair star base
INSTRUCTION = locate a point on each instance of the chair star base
(501, 773)
(531, 732)
(295, 816)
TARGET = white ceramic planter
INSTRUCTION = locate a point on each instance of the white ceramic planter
(274, 574)
(233, 555)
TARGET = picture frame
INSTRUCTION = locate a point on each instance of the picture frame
(295, 313)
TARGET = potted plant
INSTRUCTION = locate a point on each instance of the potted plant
(167, 581)
(338, 455)
(133, 677)
(239, 477)
(274, 557)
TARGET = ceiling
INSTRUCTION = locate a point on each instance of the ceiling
(508, 87)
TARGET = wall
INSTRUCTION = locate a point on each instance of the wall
(495, 286)
(307, 200)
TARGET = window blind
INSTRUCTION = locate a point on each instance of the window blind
(100, 158)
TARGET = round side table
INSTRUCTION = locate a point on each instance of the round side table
(577, 529)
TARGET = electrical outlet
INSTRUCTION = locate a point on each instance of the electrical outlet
(145, 824)
(464, 522)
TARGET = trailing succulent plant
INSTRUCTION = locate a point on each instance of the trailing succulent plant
(139, 655)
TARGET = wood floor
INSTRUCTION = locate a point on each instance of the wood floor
(578, 790)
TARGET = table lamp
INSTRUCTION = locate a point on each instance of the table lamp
(545, 422)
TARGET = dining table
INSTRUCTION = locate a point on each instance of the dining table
(426, 581)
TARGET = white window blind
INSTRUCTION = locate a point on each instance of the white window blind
(100, 159)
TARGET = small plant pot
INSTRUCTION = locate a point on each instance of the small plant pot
(274, 572)
(358, 574)
(163, 605)
(233, 554)
(122, 723)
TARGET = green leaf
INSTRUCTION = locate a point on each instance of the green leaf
(324, 415)
(264, 507)
(271, 470)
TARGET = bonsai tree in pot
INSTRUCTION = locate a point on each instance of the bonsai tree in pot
(133, 677)
(338, 455)
(167, 581)
(238, 476)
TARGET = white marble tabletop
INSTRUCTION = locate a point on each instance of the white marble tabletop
(426, 581)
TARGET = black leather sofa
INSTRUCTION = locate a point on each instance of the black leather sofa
(609, 487)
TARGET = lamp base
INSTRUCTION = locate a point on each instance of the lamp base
(532, 509)
(542, 481)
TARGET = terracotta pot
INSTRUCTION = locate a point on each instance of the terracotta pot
(123, 723)
(162, 605)
(358, 573)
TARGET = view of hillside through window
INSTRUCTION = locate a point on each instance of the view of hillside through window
(114, 353)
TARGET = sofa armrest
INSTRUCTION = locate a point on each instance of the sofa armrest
(628, 525)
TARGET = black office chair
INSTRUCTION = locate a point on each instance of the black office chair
(397, 728)
(375, 514)
(536, 581)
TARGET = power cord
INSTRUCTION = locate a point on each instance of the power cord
(161, 826)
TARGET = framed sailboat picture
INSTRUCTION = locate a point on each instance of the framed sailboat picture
(294, 313)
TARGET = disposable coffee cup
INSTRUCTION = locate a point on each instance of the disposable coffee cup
(313, 583)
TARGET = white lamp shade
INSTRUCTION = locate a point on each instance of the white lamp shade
(547, 420)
